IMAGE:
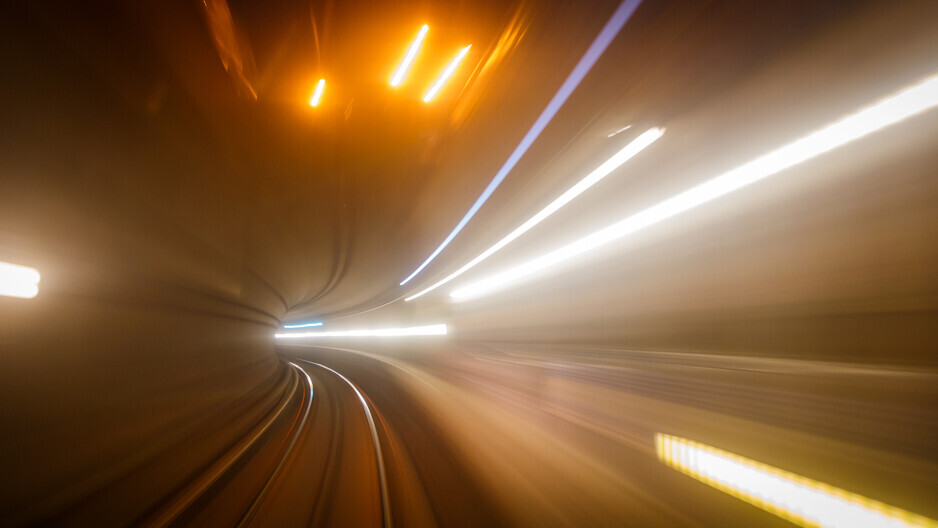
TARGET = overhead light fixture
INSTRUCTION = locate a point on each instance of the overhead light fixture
(797, 499)
(585, 64)
(906, 103)
(398, 76)
(626, 153)
(18, 281)
(429, 330)
(302, 325)
(447, 73)
(317, 95)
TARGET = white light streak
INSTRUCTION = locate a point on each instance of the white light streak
(398, 77)
(792, 497)
(18, 281)
(317, 95)
(447, 73)
(895, 108)
(621, 130)
(429, 330)
(613, 163)
(302, 325)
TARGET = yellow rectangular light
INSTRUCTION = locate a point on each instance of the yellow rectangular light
(797, 499)
(447, 73)
(398, 76)
(317, 95)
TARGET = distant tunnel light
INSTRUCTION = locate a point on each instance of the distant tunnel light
(908, 102)
(18, 281)
(317, 95)
(429, 330)
(398, 76)
(447, 73)
(797, 499)
(628, 152)
(302, 325)
(618, 19)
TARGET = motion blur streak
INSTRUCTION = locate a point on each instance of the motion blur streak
(906, 103)
(437, 329)
(302, 325)
(596, 49)
(797, 499)
(628, 152)
(447, 73)
(18, 281)
(409, 58)
(317, 95)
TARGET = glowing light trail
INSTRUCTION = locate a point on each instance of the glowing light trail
(18, 281)
(596, 49)
(628, 152)
(429, 330)
(317, 95)
(797, 499)
(447, 73)
(908, 102)
(302, 325)
(398, 77)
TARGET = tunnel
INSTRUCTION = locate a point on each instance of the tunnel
(482, 263)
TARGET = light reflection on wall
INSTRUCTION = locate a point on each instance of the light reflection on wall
(797, 499)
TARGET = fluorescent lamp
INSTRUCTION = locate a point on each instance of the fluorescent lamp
(18, 281)
(797, 499)
(613, 163)
(302, 325)
(447, 73)
(409, 58)
(906, 103)
(437, 329)
(317, 95)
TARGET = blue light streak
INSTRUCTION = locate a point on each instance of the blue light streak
(302, 325)
(596, 49)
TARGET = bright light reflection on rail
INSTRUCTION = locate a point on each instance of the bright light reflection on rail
(589, 58)
(429, 330)
(409, 58)
(18, 281)
(906, 103)
(628, 152)
(447, 73)
(302, 325)
(797, 499)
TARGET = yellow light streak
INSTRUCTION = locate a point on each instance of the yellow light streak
(447, 73)
(317, 95)
(398, 76)
(797, 499)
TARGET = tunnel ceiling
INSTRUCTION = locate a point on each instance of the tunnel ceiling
(190, 121)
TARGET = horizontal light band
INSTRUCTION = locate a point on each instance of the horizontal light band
(409, 58)
(317, 95)
(429, 330)
(447, 73)
(18, 281)
(792, 497)
(628, 152)
(906, 103)
(302, 325)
